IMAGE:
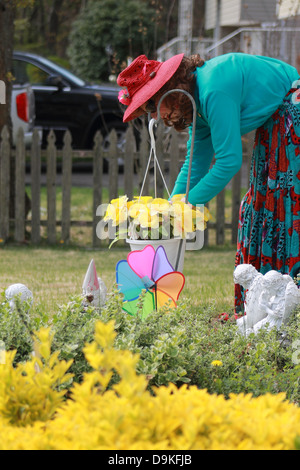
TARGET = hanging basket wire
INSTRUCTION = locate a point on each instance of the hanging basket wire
(154, 122)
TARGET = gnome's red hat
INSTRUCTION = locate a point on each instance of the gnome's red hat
(142, 79)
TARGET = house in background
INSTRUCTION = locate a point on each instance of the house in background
(262, 27)
(288, 9)
(232, 14)
(254, 27)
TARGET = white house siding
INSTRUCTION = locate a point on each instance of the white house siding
(230, 13)
(288, 8)
(258, 11)
(210, 14)
(241, 12)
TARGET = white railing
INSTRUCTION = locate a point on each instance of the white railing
(273, 41)
(179, 44)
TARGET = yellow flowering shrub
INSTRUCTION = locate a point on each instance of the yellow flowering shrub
(30, 391)
(128, 417)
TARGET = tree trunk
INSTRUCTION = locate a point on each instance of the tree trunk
(54, 23)
(6, 51)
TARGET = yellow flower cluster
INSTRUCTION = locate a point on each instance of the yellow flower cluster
(149, 215)
(127, 416)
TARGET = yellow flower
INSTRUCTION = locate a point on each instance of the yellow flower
(135, 209)
(183, 219)
(120, 201)
(147, 219)
(117, 211)
(217, 363)
(160, 201)
(161, 206)
(143, 199)
(177, 197)
(115, 214)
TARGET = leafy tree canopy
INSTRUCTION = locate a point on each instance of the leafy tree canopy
(106, 33)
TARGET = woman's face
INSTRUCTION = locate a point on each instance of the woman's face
(166, 113)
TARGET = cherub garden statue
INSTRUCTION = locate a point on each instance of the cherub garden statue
(269, 301)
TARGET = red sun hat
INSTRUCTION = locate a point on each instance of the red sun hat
(142, 79)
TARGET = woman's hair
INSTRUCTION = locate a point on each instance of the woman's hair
(183, 79)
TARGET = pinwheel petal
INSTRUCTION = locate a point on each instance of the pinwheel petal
(163, 299)
(129, 283)
(148, 305)
(171, 284)
(161, 264)
(141, 262)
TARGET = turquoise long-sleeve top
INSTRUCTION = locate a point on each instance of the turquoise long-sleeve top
(235, 93)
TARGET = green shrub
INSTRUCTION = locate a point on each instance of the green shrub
(17, 327)
(187, 345)
(74, 326)
(181, 347)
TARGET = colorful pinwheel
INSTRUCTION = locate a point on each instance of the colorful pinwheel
(148, 271)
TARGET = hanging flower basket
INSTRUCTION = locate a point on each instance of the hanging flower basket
(146, 220)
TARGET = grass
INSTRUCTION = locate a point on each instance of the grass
(56, 274)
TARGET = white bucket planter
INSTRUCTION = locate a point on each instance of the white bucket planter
(171, 247)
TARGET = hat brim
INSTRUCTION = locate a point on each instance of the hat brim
(164, 73)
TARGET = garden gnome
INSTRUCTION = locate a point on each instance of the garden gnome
(18, 293)
(94, 289)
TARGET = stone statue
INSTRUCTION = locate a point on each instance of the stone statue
(93, 288)
(18, 293)
(269, 300)
(251, 280)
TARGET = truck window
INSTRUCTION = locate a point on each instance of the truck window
(25, 72)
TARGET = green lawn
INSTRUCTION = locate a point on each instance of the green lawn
(55, 274)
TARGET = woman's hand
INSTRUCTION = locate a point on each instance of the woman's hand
(189, 204)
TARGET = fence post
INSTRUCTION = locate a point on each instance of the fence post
(220, 218)
(206, 232)
(143, 160)
(236, 202)
(35, 188)
(113, 153)
(97, 182)
(20, 188)
(4, 183)
(51, 188)
(161, 158)
(174, 158)
(130, 151)
(66, 188)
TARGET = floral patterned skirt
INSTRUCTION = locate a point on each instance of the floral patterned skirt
(269, 222)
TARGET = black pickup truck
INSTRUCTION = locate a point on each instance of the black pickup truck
(64, 101)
